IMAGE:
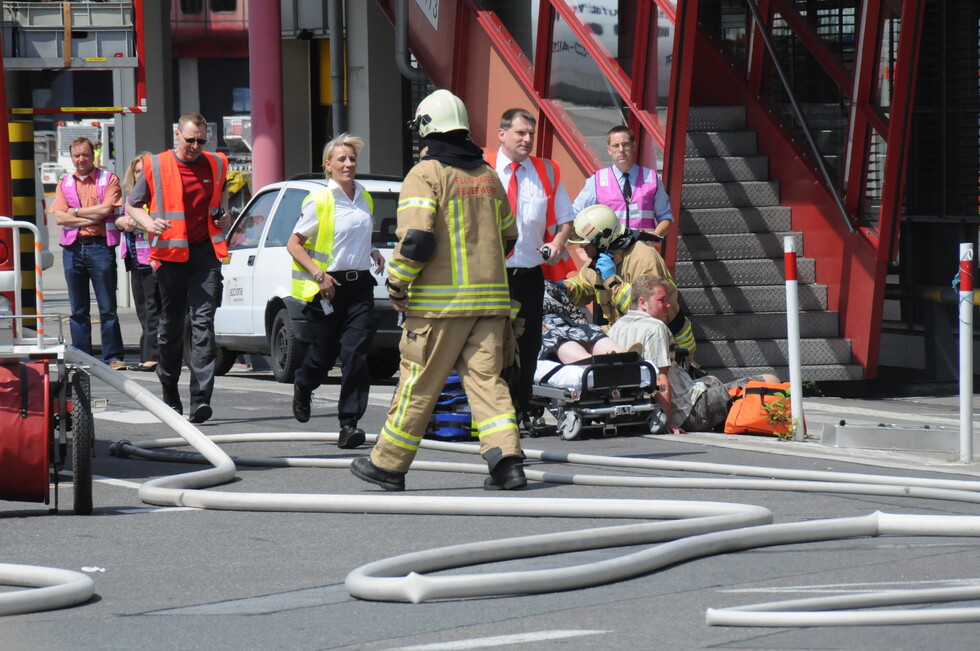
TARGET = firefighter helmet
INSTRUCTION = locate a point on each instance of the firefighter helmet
(597, 225)
(440, 112)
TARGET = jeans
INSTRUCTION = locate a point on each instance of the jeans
(95, 264)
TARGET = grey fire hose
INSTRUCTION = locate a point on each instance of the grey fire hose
(685, 529)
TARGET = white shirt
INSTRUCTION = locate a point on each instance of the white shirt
(532, 211)
(351, 232)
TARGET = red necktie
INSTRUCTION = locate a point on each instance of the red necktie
(512, 188)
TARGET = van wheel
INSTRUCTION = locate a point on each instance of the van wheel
(285, 349)
(382, 367)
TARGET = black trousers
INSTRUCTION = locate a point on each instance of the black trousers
(146, 300)
(527, 287)
(193, 285)
(346, 333)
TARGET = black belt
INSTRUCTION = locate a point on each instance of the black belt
(521, 271)
(90, 239)
(349, 276)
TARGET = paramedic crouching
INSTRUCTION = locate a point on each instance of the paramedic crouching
(691, 405)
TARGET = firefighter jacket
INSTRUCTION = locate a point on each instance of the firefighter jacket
(320, 246)
(162, 174)
(615, 294)
(452, 225)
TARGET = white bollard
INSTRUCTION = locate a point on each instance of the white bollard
(793, 338)
(966, 352)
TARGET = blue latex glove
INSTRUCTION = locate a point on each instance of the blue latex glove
(605, 266)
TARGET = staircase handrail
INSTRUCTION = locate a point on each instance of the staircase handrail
(798, 114)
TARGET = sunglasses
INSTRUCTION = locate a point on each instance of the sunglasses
(198, 141)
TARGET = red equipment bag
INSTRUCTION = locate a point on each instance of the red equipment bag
(746, 415)
(25, 432)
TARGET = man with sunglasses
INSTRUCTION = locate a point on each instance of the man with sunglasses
(184, 189)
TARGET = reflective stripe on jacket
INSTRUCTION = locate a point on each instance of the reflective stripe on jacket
(609, 192)
(320, 246)
(469, 218)
(162, 172)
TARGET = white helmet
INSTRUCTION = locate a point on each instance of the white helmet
(597, 225)
(441, 112)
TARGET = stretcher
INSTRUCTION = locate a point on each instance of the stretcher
(609, 395)
(45, 403)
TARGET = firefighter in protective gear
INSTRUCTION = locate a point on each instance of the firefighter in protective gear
(618, 257)
(447, 275)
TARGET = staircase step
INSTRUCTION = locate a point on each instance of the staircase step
(726, 168)
(767, 298)
(724, 195)
(716, 273)
(810, 373)
(762, 325)
(714, 221)
(742, 246)
(771, 352)
(721, 143)
(716, 118)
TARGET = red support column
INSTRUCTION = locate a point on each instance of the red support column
(265, 81)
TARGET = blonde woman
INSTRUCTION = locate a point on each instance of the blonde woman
(332, 258)
(135, 250)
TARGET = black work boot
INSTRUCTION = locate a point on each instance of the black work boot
(171, 396)
(351, 436)
(507, 474)
(362, 468)
(301, 404)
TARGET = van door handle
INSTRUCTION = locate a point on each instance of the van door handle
(251, 260)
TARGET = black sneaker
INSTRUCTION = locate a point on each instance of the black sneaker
(350, 437)
(200, 413)
(301, 404)
(507, 475)
(171, 397)
(362, 468)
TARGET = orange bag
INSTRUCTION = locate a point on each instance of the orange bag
(746, 415)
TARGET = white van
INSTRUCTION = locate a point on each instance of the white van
(254, 316)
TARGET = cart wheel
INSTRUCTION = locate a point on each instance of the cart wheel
(570, 426)
(657, 421)
(82, 438)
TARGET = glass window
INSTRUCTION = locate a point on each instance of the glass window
(192, 6)
(247, 231)
(224, 6)
(287, 214)
(385, 218)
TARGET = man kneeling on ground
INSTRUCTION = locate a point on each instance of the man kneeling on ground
(691, 405)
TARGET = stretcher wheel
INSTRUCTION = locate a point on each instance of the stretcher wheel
(82, 439)
(570, 426)
(657, 421)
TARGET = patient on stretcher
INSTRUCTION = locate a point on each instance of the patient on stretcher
(570, 341)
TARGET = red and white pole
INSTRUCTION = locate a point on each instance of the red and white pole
(966, 352)
(793, 337)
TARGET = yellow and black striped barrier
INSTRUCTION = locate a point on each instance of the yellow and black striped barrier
(24, 204)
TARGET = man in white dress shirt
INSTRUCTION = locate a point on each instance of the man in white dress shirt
(544, 221)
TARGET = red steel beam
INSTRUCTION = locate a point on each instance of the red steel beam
(856, 155)
(611, 70)
(519, 65)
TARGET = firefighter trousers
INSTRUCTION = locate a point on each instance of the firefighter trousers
(430, 350)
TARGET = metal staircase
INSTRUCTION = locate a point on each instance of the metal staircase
(730, 261)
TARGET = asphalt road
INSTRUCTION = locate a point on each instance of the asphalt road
(174, 577)
(179, 577)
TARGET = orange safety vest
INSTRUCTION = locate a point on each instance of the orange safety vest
(550, 177)
(162, 174)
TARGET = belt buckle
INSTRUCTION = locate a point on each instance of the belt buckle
(352, 275)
